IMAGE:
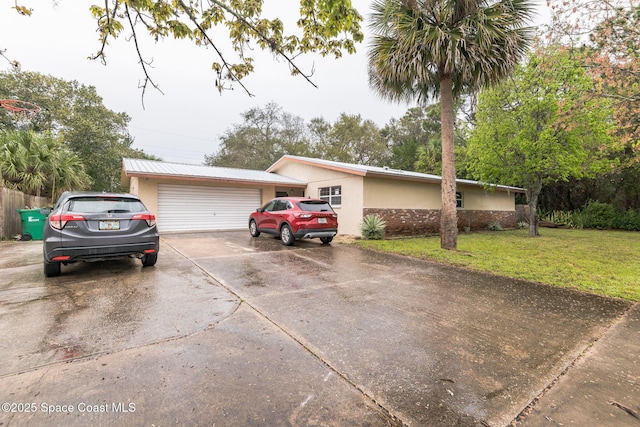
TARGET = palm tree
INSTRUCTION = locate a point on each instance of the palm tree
(425, 48)
(31, 161)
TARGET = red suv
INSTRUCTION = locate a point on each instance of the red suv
(294, 218)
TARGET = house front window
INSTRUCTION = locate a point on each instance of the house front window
(459, 200)
(332, 195)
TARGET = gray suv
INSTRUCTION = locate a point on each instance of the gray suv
(87, 226)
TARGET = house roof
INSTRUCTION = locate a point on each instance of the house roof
(382, 172)
(156, 169)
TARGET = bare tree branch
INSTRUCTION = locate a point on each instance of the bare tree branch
(142, 62)
(225, 64)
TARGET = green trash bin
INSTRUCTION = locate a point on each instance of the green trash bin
(33, 221)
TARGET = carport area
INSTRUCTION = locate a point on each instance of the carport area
(228, 330)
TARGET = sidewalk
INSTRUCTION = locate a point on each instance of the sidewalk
(602, 388)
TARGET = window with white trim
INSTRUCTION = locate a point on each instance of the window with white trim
(459, 200)
(332, 195)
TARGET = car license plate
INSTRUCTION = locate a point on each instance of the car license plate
(109, 225)
(322, 220)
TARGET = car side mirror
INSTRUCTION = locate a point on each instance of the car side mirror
(259, 210)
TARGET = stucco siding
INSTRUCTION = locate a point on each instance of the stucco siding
(147, 190)
(309, 174)
(392, 193)
(395, 194)
(479, 199)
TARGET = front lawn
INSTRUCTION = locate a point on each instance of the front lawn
(602, 262)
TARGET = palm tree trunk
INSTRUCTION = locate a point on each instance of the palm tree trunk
(448, 213)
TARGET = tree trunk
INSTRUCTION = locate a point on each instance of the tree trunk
(448, 213)
(532, 199)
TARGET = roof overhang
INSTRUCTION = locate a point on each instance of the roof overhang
(386, 173)
(127, 175)
(313, 162)
(202, 174)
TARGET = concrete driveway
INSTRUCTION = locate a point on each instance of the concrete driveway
(228, 330)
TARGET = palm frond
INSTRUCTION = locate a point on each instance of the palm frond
(415, 44)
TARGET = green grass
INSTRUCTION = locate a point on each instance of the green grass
(601, 262)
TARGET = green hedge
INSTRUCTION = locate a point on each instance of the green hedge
(603, 216)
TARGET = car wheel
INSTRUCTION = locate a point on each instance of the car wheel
(286, 235)
(253, 229)
(52, 269)
(326, 240)
(149, 260)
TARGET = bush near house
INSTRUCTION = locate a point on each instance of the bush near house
(373, 227)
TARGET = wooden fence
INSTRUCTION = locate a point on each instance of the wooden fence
(10, 201)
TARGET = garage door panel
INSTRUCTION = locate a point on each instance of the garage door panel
(195, 208)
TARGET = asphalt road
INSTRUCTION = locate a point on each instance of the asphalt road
(228, 330)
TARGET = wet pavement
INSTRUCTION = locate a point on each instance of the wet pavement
(228, 330)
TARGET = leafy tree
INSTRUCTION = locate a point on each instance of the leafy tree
(539, 127)
(416, 134)
(268, 133)
(265, 135)
(610, 53)
(39, 164)
(415, 140)
(354, 140)
(75, 113)
(425, 48)
(604, 38)
(319, 131)
(326, 27)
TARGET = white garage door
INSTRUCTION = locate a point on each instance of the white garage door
(195, 208)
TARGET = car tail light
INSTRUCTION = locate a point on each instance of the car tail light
(303, 215)
(150, 218)
(60, 220)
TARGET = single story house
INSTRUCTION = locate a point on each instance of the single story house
(199, 198)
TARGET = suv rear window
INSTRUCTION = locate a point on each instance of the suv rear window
(105, 204)
(315, 206)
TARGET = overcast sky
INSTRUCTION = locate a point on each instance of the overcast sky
(187, 121)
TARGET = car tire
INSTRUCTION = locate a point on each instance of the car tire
(286, 235)
(52, 269)
(149, 260)
(326, 240)
(253, 229)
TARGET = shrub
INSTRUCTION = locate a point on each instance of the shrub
(522, 225)
(626, 220)
(495, 226)
(373, 227)
(563, 218)
(598, 215)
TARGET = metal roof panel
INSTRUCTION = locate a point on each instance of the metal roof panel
(385, 171)
(137, 167)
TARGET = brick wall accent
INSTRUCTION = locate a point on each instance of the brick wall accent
(420, 222)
